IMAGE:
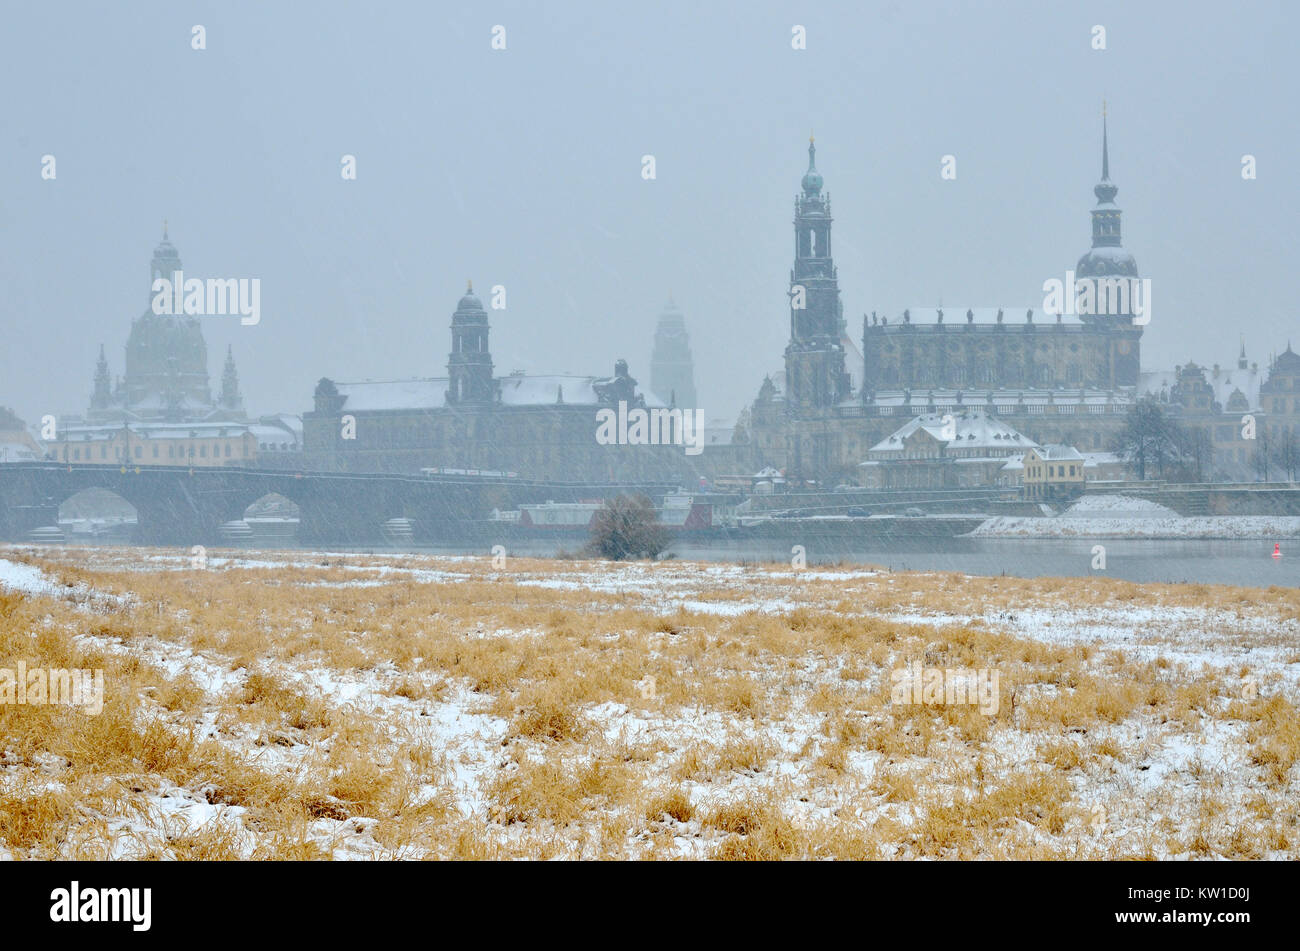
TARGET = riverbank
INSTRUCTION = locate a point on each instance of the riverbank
(313, 705)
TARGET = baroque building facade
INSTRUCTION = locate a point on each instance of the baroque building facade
(533, 426)
(1058, 378)
(161, 411)
(166, 368)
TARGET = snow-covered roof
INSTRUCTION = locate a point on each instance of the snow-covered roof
(1101, 459)
(373, 395)
(273, 434)
(1057, 452)
(956, 316)
(1109, 252)
(967, 429)
(74, 432)
(517, 389)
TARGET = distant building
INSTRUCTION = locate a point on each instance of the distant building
(16, 443)
(1104, 467)
(1053, 472)
(672, 371)
(166, 368)
(540, 426)
(965, 449)
(1240, 417)
(1055, 378)
(157, 444)
(161, 412)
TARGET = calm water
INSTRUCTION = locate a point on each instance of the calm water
(1206, 562)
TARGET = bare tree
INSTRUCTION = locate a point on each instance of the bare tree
(1287, 455)
(1149, 439)
(627, 527)
(1262, 457)
(1197, 451)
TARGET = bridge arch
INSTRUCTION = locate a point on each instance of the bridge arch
(271, 518)
(96, 513)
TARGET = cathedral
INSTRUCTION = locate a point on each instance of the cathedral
(166, 371)
(161, 411)
(1058, 378)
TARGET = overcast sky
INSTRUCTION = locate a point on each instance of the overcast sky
(522, 167)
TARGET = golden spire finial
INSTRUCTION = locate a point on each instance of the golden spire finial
(810, 137)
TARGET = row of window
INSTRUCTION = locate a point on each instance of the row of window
(1053, 471)
(985, 373)
(173, 452)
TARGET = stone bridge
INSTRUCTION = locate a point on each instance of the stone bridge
(177, 505)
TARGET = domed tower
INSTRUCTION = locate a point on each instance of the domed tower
(469, 366)
(814, 358)
(1107, 257)
(166, 354)
(672, 371)
(1108, 261)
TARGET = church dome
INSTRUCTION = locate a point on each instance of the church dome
(812, 179)
(469, 301)
(1106, 262)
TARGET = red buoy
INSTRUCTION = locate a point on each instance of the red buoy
(1277, 549)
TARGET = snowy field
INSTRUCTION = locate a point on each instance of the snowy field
(322, 705)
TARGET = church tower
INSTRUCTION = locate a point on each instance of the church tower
(1107, 260)
(814, 359)
(672, 371)
(102, 397)
(166, 356)
(469, 366)
(230, 400)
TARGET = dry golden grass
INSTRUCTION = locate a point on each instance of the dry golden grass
(414, 707)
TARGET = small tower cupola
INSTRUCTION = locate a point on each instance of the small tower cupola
(166, 261)
(469, 366)
(812, 179)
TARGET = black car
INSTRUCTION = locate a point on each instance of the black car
(858, 511)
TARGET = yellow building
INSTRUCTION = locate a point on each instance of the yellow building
(157, 444)
(1053, 472)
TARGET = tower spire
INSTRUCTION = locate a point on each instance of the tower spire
(230, 398)
(812, 179)
(1105, 151)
